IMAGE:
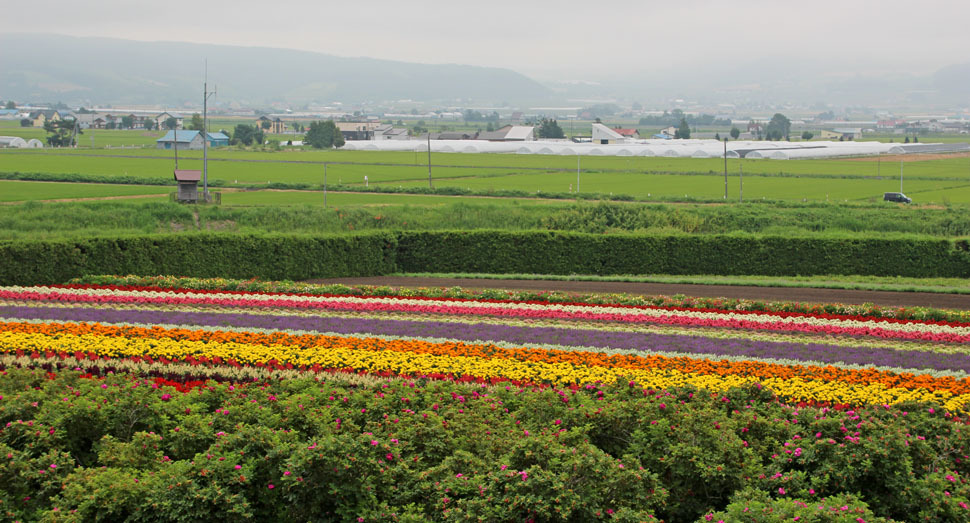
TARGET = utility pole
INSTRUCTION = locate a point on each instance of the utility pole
(740, 183)
(429, 161)
(205, 134)
(176, 134)
(577, 176)
(725, 169)
(324, 185)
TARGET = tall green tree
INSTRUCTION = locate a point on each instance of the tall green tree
(247, 135)
(682, 132)
(778, 128)
(197, 123)
(171, 123)
(324, 135)
(735, 132)
(549, 128)
(60, 132)
(10, 105)
(128, 121)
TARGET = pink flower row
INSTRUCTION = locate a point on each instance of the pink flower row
(691, 320)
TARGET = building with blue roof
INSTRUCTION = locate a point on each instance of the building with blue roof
(190, 140)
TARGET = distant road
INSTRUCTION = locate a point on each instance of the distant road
(883, 298)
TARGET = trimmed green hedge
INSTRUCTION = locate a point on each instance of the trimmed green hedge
(291, 257)
(576, 253)
(204, 255)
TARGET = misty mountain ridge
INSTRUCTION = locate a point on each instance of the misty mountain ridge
(106, 71)
(113, 71)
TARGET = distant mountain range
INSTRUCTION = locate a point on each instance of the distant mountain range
(77, 70)
(101, 71)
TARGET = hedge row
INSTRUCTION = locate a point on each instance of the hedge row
(292, 257)
(576, 253)
(211, 255)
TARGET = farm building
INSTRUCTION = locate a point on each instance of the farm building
(41, 117)
(510, 133)
(12, 142)
(455, 135)
(162, 118)
(628, 133)
(604, 135)
(841, 134)
(190, 140)
(357, 130)
(388, 132)
(188, 185)
(271, 125)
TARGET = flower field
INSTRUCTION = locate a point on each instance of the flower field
(594, 374)
(801, 357)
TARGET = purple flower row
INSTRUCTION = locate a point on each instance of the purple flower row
(524, 335)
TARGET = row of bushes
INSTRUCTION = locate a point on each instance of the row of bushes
(126, 179)
(136, 449)
(571, 253)
(207, 255)
(295, 257)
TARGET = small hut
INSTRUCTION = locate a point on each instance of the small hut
(188, 182)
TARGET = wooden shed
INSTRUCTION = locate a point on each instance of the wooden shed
(188, 185)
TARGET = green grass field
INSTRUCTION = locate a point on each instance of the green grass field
(936, 181)
(887, 166)
(13, 191)
(101, 137)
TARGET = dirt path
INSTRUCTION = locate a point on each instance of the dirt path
(884, 298)
(91, 199)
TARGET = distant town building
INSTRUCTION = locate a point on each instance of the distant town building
(190, 140)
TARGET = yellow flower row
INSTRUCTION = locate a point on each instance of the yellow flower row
(398, 362)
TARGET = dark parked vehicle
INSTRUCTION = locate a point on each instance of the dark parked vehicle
(896, 197)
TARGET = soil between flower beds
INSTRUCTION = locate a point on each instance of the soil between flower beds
(883, 298)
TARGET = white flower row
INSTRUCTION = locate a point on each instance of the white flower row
(634, 313)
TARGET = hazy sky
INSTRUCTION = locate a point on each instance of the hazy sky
(565, 39)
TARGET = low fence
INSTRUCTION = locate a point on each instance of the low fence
(215, 198)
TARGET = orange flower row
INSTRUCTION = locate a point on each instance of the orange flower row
(761, 370)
